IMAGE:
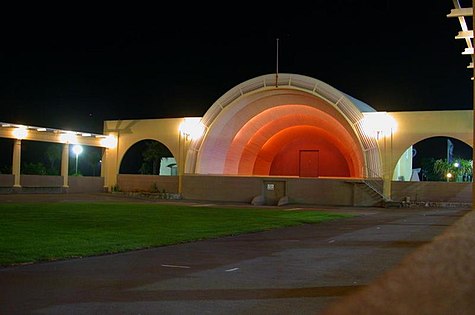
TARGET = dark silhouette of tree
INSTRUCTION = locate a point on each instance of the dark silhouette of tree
(92, 158)
(153, 154)
(53, 155)
(33, 169)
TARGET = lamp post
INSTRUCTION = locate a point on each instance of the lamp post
(77, 149)
(382, 125)
(190, 129)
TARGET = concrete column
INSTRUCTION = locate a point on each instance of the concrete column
(16, 163)
(387, 172)
(180, 163)
(184, 141)
(65, 165)
(110, 165)
(105, 165)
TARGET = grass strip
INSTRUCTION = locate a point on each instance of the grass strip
(52, 231)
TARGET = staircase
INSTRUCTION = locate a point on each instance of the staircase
(376, 185)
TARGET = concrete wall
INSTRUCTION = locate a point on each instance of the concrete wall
(6, 180)
(222, 188)
(85, 184)
(52, 184)
(41, 181)
(319, 191)
(344, 192)
(432, 191)
(131, 182)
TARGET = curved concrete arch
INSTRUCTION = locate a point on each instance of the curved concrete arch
(247, 143)
(284, 160)
(129, 145)
(228, 119)
(417, 126)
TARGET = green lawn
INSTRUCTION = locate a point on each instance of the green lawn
(42, 232)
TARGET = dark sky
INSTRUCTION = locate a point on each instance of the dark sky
(72, 67)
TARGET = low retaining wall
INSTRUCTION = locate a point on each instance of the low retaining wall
(51, 184)
(6, 180)
(319, 191)
(85, 184)
(131, 183)
(432, 192)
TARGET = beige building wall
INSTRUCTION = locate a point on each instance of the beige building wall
(129, 132)
(412, 127)
(416, 126)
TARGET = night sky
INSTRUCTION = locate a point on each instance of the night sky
(74, 67)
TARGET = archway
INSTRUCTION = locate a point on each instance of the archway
(273, 131)
(148, 157)
(417, 162)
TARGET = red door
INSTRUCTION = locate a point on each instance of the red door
(308, 165)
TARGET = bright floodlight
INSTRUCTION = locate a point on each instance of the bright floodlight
(68, 137)
(456, 164)
(20, 132)
(77, 149)
(109, 142)
(377, 124)
(192, 127)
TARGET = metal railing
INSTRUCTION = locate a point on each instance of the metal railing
(374, 181)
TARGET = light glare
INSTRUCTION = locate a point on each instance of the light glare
(109, 142)
(68, 137)
(20, 132)
(77, 149)
(192, 127)
(378, 124)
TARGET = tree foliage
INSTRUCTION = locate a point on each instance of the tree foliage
(33, 169)
(53, 155)
(153, 154)
(460, 169)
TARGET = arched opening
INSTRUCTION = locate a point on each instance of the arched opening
(248, 128)
(304, 151)
(294, 140)
(431, 159)
(148, 157)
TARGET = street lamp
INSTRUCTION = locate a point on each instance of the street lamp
(77, 149)
(190, 129)
(381, 125)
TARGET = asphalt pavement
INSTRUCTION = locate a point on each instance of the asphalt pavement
(307, 269)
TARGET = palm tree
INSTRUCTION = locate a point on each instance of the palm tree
(442, 168)
(154, 153)
(461, 170)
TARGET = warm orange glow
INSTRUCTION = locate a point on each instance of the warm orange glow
(258, 148)
(282, 154)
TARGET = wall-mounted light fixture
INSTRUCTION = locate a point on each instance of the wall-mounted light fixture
(20, 132)
(378, 124)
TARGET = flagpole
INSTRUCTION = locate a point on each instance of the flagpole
(277, 63)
